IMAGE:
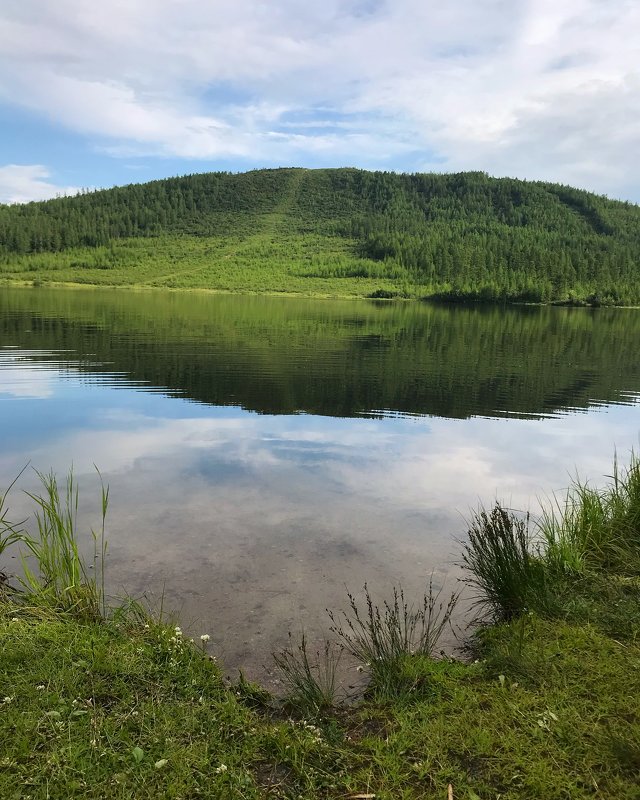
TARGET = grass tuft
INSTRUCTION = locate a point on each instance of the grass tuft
(509, 578)
(62, 579)
(311, 679)
(381, 637)
(596, 528)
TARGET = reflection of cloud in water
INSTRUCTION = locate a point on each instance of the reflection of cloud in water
(28, 384)
(260, 522)
(437, 465)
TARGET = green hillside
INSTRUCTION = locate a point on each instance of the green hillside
(341, 232)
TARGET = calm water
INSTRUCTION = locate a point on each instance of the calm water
(265, 453)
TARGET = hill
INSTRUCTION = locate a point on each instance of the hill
(335, 232)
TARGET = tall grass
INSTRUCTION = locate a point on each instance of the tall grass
(10, 533)
(508, 576)
(311, 679)
(381, 637)
(61, 578)
(594, 529)
(589, 533)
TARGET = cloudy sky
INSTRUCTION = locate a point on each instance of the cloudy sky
(121, 91)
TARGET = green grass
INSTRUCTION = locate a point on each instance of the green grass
(556, 714)
(597, 528)
(61, 579)
(311, 680)
(591, 533)
(121, 711)
(508, 576)
(118, 705)
(383, 638)
(262, 262)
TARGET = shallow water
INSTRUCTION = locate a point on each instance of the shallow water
(264, 454)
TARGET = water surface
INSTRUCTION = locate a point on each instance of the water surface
(265, 453)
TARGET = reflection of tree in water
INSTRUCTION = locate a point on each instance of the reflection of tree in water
(338, 358)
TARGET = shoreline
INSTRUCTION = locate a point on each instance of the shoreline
(112, 703)
(311, 295)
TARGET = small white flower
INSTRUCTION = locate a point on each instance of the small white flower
(221, 768)
(146, 626)
(40, 687)
(7, 699)
(15, 619)
(205, 638)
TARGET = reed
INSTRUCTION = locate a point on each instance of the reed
(61, 578)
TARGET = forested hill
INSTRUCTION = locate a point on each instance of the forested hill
(342, 231)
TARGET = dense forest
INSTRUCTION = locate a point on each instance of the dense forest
(462, 236)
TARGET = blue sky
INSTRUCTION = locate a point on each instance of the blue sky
(98, 94)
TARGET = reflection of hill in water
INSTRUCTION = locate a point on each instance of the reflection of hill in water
(280, 355)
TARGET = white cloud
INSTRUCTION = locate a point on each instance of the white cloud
(536, 88)
(20, 183)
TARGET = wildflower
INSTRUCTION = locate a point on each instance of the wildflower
(146, 626)
(7, 699)
(205, 637)
(15, 619)
(221, 768)
(178, 631)
(40, 687)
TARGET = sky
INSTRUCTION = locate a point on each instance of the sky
(121, 91)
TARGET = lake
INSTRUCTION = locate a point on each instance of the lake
(264, 454)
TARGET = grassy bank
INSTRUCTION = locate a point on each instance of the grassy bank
(104, 701)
